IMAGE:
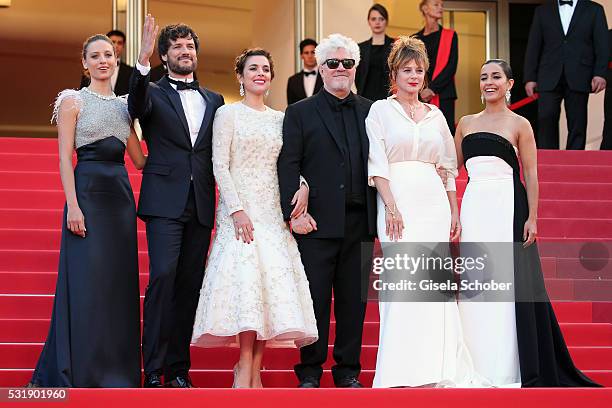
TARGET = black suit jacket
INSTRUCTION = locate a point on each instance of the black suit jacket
(311, 148)
(361, 75)
(295, 87)
(172, 161)
(580, 55)
(122, 86)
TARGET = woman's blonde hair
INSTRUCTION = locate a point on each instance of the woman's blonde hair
(406, 49)
(421, 5)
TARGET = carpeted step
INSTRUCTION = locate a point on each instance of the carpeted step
(576, 334)
(26, 355)
(47, 239)
(40, 306)
(561, 190)
(286, 379)
(44, 180)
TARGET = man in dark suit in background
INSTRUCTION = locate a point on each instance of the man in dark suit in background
(121, 78)
(177, 196)
(566, 59)
(308, 81)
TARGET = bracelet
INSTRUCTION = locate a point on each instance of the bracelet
(392, 212)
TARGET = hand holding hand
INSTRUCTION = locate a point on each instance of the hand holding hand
(243, 227)
(300, 200)
(303, 224)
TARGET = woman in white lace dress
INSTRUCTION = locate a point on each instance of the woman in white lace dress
(255, 289)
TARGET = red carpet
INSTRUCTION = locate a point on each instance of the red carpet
(576, 204)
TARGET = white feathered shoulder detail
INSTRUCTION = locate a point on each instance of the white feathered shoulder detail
(66, 93)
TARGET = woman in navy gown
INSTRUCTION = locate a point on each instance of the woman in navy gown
(516, 342)
(94, 338)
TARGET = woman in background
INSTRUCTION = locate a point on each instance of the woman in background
(372, 75)
(442, 50)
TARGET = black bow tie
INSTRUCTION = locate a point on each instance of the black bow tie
(181, 85)
(566, 3)
(347, 102)
(306, 73)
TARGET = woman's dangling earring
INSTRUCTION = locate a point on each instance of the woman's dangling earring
(508, 96)
(241, 89)
(267, 93)
(482, 99)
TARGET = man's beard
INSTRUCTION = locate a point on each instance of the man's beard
(174, 66)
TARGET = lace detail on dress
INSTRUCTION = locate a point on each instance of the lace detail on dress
(66, 93)
(260, 286)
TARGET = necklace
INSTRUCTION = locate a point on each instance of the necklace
(105, 97)
(413, 108)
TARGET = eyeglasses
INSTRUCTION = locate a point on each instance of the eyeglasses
(334, 63)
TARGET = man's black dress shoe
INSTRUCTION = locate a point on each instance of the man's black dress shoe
(309, 382)
(179, 382)
(348, 382)
(152, 381)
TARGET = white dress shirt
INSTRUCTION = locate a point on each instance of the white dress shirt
(310, 82)
(566, 12)
(193, 103)
(395, 137)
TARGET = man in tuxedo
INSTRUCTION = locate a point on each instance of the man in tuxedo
(325, 141)
(566, 59)
(177, 196)
(120, 80)
(308, 81)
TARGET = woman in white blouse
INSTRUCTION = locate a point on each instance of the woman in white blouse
(255, 289)
(420, 336)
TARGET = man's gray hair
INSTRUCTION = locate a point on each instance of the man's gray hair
(334, 42)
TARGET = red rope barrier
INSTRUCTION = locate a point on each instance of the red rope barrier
(525, 101)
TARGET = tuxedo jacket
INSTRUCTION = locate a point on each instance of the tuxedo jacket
(172, 162)
(295, 87)
(361, 75)
(311, 148)
(579, 56)
(122, 86)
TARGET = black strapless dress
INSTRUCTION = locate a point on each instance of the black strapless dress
(94, 338)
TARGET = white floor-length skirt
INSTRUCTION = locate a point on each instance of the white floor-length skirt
(421, 343)
(487, 217)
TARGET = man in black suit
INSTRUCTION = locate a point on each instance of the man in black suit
(325, 141)
(177, 196)
(307, 82)
(120, 80)
(566, 59)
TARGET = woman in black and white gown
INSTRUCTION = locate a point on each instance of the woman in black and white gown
(512, 343)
